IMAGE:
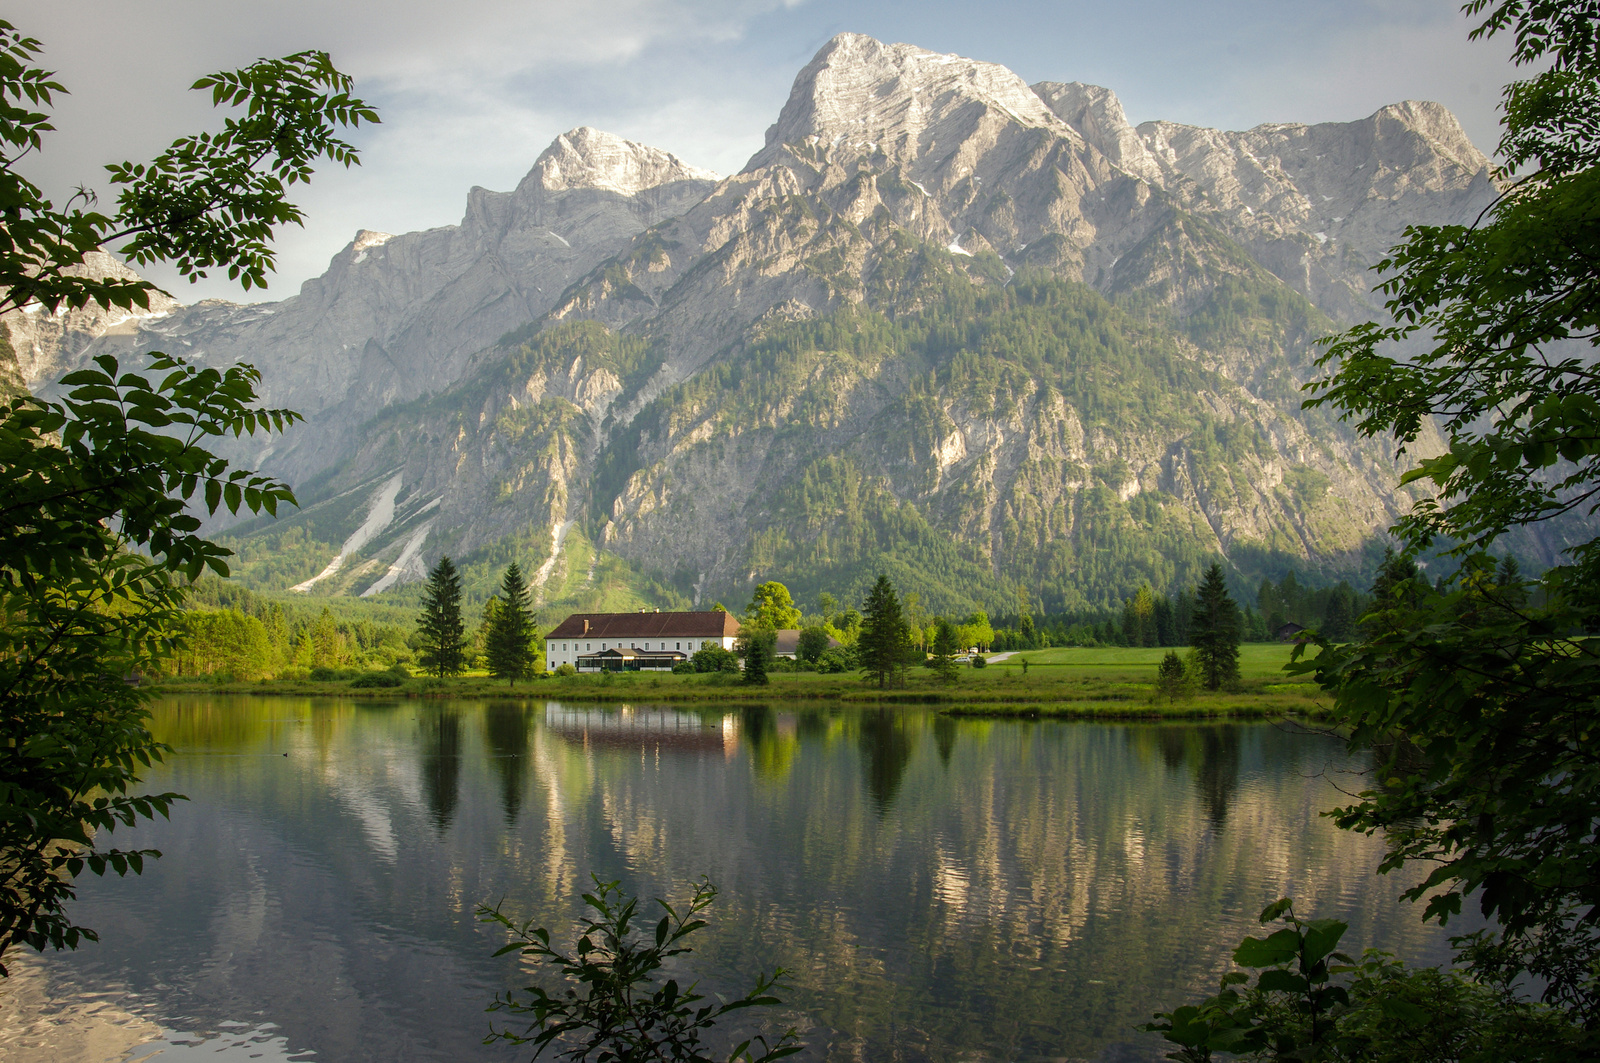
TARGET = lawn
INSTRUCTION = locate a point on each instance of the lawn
(1256, 659)
(1059, 682)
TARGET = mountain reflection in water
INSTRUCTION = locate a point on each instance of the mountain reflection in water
(939, 887)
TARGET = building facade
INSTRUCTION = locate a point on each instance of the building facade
(649, 640)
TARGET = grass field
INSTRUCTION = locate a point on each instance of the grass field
(1105, 683)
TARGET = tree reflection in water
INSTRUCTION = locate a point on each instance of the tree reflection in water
(1210, 753)
(885, 750)
(506, 726)
(944, 737)
(439, 750)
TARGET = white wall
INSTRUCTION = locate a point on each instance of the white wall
(567, 651)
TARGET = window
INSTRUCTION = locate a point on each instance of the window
(679, 645)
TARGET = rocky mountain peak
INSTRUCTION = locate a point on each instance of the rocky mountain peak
(589, 158)
(895, 98)
(1097, 116)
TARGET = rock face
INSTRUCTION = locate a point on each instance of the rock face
(395, 317)
(989, 336)
(43, 345)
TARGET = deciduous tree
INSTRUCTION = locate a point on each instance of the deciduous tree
(1481, 706)
(99, 493)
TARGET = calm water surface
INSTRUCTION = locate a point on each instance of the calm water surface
(941, 889)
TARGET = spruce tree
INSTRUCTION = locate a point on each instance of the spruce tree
(755, 645)
(885, 639)
(945, 647)
(440, 623)
(509, 645)
(1214, 631)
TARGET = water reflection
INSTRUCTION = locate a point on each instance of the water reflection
(941, 888)
(885, 745)
(506, 726)
(439, 751)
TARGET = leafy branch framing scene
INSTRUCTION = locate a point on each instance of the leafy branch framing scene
(618, 1000)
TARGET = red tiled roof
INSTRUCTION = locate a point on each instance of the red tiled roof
(712, 624)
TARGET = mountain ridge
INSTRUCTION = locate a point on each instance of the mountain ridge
(998, 331)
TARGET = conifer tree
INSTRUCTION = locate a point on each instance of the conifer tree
(509, 645)
(440, 623)
(885, 639)
(1214, 631)
(755, 645)
(945, 647)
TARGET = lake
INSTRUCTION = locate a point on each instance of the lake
(940, 888)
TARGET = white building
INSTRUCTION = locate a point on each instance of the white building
(659, 638)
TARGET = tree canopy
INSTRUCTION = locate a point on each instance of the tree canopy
(509, 642)
(1477, 691)
(439, 625)
(100, 494)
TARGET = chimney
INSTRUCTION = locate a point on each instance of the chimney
(586, 627)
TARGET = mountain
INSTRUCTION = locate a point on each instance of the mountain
(988, 337)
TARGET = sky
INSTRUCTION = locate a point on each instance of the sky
(472, 91)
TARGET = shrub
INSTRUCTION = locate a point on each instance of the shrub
(978, 661)
(323, 675)
(715, 659)
(1311, 1002)
(834, 661)
(566, 669)
(376, 679)
(610, 1006)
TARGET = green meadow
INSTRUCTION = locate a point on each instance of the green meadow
(1103, 683)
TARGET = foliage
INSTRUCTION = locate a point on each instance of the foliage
(755, 645)
(772, 607)
(100, 494)
(1173, 680)
(813, 643)
(613, 1007)
(208, 201)
(509, 641)
(439, 626)
(945, 648)
(1214, 632)
(714, 659)
(885, 641)
(83, 485)
(1478, 693)
(1312, 1003)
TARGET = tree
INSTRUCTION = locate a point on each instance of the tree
(771, 607)
(1172, 679)
(1479, 703)
(981, 632)
(100, 493)
(1214, 631)
(509, 642)
(813, 643)
(714, 659)
(439, 625)
(885, 640)
(755, 645)
(945, 648)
